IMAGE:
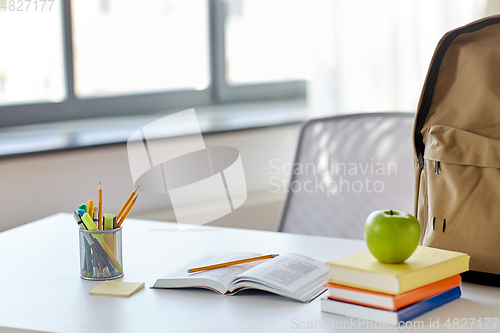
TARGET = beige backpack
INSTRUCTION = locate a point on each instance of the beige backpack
(457, 146)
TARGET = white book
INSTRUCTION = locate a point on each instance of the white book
(291, 275)
(358, 311)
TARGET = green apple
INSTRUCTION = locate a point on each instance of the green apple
(391, 236)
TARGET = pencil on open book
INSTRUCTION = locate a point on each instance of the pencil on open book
(231, 263)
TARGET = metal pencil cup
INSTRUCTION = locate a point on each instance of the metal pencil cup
(101, 254)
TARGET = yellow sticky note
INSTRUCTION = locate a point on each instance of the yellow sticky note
(115, 288)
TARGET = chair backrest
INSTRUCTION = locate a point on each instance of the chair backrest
(346, 167)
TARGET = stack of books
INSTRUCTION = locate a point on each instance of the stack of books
(360, 286)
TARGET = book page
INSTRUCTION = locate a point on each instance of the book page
(221, 276)
(289, 272)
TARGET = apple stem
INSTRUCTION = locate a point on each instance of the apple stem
(392, 213)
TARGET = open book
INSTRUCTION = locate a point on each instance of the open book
(290, 275)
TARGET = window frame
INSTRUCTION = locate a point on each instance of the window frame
(218, 92)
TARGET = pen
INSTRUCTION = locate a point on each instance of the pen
(125, 205)
(231, 263)
(78, 220)
(95, 264)
(87, 266)
(125, 214)
(100, 207)
(96, 216)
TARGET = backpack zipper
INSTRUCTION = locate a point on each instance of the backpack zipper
(430, 84)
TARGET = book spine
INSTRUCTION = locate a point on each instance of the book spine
(371, 305)
(433, 289)
(429, 304)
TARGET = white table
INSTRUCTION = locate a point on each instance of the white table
(41, 288)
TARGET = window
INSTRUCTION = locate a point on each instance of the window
(127, 46)
(86, 58)
(71, 59)
(31, 59)
(265, 42)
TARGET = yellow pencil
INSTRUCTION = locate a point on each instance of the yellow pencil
(100, 207)
(125, 205)
(125, 214)
(231, 263)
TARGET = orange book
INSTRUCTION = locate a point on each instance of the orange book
(390, 302)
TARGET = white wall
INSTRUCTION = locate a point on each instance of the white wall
(36, 186)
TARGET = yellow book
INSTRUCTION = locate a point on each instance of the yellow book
(426, 265)
(115, 288)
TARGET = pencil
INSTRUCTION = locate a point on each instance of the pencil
(231, 263)
(125, 205)
(125, 214)
(100, 207)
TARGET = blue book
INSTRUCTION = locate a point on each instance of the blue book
(390, 317)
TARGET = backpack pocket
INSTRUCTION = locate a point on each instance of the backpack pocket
(463, 194)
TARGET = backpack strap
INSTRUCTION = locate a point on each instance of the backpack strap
(431, 79)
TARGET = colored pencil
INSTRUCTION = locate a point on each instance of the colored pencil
(125, 214)
(125, 205)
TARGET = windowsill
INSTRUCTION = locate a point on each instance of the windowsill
(60, 136)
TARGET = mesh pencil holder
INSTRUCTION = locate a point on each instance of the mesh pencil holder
(101, 254)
